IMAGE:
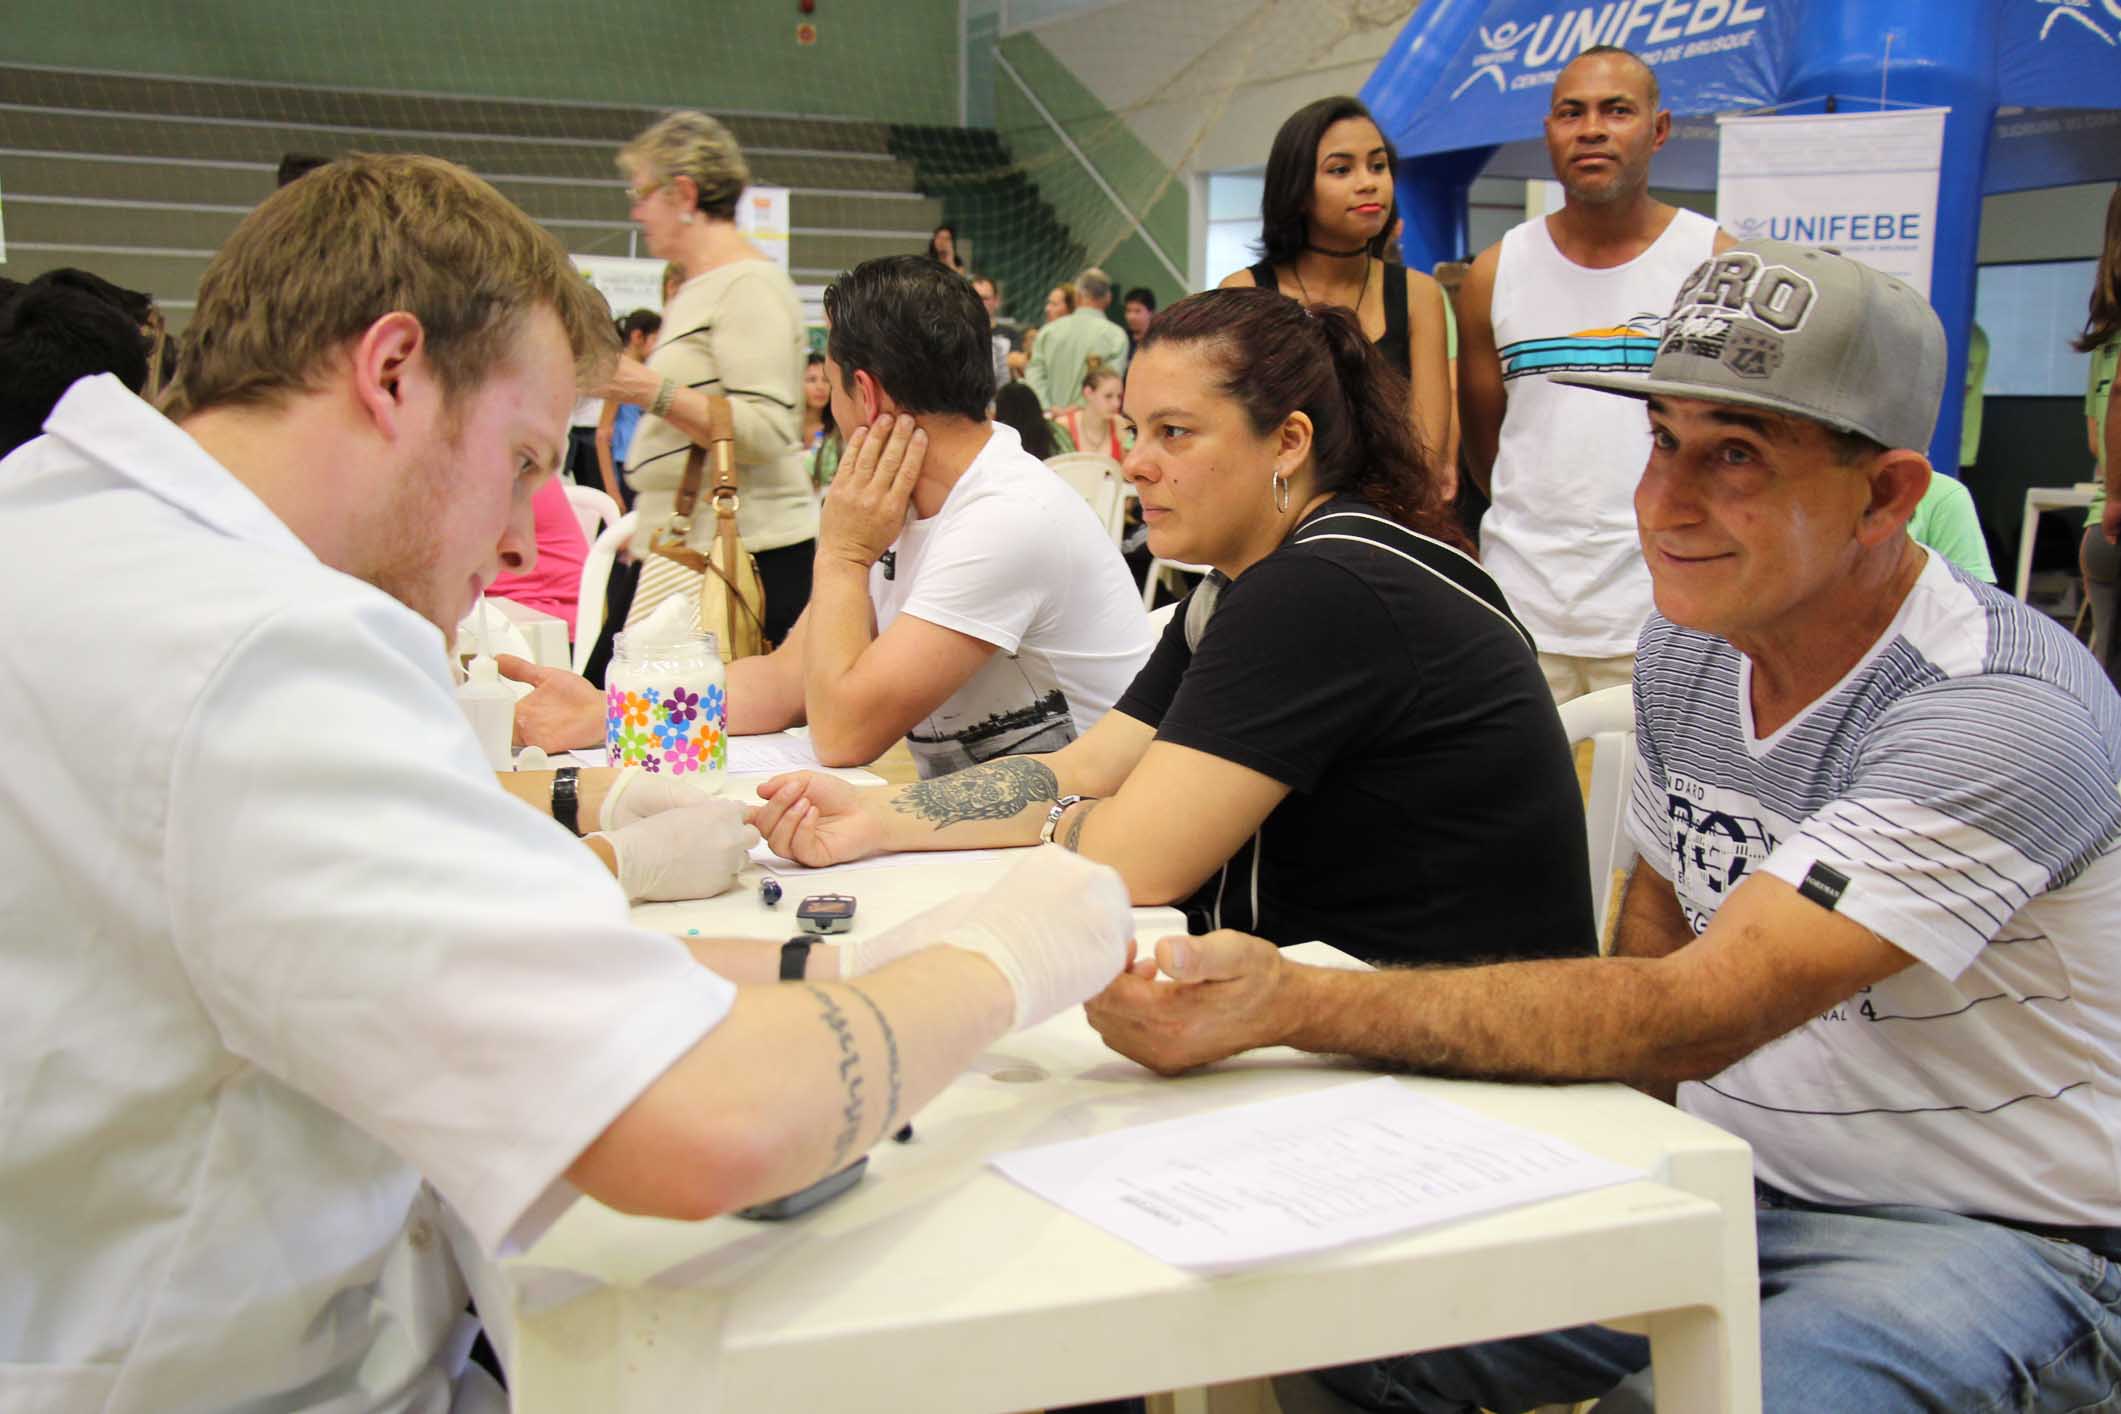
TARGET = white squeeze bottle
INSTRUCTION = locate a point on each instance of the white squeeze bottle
(490, 706)
(666, 696)
(488, 703)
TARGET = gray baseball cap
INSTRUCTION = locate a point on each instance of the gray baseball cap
(1798, 330)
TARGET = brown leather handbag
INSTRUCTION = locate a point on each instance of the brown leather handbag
(724, 576)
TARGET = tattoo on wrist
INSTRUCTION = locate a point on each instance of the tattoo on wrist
(890, 1056)
(993, 790)
(850, 1075)
(1071, 836)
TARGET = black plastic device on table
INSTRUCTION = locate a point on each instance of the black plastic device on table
(831, 1186)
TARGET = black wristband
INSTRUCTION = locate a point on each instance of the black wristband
(566, 798)
(795, 958)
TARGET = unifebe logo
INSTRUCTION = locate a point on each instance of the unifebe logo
(1530, 54)
(1499, 47)
(1883, 229)
(2085, 13)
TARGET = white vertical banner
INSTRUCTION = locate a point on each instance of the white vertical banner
(627, 283)
(1863, 183)
(762, 215)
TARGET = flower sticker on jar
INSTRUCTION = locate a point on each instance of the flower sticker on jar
(683, 757)
(670, 689)
(633, 747)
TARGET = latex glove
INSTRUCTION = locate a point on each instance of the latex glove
(1056, 926)
(635, 795)
(695, 852)
(923, 930)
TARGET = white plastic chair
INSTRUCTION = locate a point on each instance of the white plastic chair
(1096, 479)
(596, 570)
(593, 508)
(1161, 570)
(1606, 719)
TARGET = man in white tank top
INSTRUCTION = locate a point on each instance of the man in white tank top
(1584, 289)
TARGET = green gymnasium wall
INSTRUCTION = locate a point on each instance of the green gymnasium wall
(895, 62)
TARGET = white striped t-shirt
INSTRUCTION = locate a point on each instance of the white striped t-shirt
(1957, 790)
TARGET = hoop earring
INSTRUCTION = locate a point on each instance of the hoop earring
(1280, 484)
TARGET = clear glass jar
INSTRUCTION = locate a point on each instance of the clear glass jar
(667, 706)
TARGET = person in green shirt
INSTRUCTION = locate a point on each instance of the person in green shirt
(822, 442)
(1944, 520)
(1061, 354)
(2102, 523)
(2099, 555)
(1970, 417)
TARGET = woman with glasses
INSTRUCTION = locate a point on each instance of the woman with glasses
(733, 329)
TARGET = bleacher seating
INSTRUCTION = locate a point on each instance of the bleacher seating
(998, 215)
(141, 179)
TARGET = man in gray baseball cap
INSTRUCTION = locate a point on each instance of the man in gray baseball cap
(1876, 812)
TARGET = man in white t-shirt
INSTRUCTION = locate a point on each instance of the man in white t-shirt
(1875, 924)
(998, 620)
(279, 947)
(1584, 287)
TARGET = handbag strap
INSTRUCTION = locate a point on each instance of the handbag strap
(721, 441)
(721, 446)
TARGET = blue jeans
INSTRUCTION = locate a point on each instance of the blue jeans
(1862, 1311)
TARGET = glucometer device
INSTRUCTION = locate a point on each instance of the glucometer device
(826, 913)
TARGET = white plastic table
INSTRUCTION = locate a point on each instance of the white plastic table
(937, 1284)
(2038, 499)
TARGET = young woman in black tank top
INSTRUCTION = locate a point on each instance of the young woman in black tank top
(1326, 216)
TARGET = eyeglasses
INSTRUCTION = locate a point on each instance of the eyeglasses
(642, 193)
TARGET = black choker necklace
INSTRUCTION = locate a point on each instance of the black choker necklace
(1338, 254)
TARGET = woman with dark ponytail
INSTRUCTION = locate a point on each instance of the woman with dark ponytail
(1344, 734)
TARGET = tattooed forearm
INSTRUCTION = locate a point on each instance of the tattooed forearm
(994, 790)
(890, 1056)
(1073, 835)
(850, 1075)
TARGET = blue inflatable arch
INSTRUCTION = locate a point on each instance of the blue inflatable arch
(2034, 89)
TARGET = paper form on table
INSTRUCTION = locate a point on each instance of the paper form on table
(1301, 1174)
(773, 751)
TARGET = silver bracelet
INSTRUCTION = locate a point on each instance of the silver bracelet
(1053, 816)
(663, 397)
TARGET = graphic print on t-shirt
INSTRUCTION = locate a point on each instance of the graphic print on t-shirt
(1628, 348)
(1014, 706)
(1717, 838)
